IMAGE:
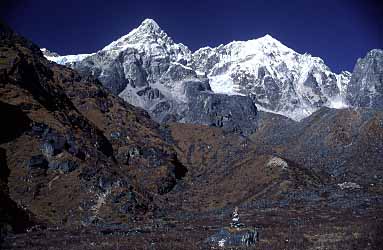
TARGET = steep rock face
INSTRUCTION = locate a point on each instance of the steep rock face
(366, 85)
(147, 69)
(277, 78)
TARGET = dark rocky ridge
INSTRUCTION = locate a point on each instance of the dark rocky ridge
(66, 136)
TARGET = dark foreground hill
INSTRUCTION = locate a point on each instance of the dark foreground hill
(71, 153)
(82, 169)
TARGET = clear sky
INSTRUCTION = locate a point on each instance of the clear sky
(338, 31)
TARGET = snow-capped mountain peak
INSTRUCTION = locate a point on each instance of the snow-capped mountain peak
(148, 29)
(277, 78)
(151, 39)
(269, 42)
(266, 44)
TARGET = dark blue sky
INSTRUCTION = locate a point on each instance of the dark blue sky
(339, 31)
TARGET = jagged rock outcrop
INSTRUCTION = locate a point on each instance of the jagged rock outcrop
(48, 53)
(232, 113)
(365, 88)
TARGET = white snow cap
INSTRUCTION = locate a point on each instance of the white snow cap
(265, 67)
(279, 79)
(147, 28)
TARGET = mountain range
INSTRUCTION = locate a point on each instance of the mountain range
(148, 69)
(83, 168)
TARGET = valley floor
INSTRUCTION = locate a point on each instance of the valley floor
(279, 228)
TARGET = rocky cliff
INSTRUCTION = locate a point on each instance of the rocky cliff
(365, 88)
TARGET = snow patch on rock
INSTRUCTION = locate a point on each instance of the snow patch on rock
(348, 185)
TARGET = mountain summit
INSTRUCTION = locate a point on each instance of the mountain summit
(149, 38)
(275, 77)
(149, 70)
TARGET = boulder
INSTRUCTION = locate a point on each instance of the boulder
(65, 166)
(126, 153)
(234, 237)
(53, 144)
(47, 149)
(37, 162)
(115, 135)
